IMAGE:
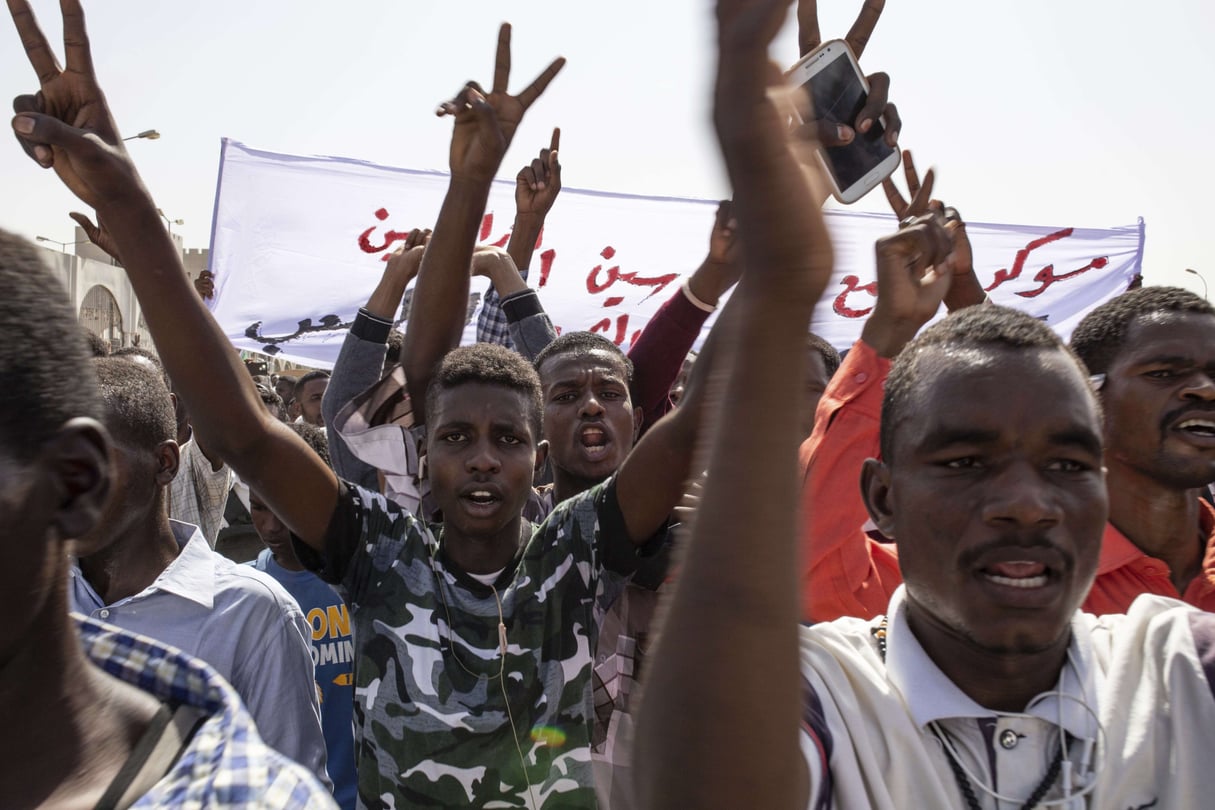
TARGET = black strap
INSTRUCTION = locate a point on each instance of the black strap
(157, 750)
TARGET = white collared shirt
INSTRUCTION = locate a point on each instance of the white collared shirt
(242, 623)
(870, 743)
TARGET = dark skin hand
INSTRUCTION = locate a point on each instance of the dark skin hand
(966, 290)
(746, 754)
(67, 126)
(909, 291)
(877, 105)
(536, 188)
(722, 266)
(484, 126)
(486, 123)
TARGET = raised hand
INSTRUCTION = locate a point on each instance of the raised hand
(723, 265)
(489, 261)
(912, 281)
(99, 236)
(205, 285)
(538, 183)
(966, 290)
(809, 37)
(405, 260)
(723, 240)
(67, 124)
(878, 104)
(919, 192)
(772, 174)
(486, 123)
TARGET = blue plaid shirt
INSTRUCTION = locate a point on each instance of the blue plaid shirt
(226, 764)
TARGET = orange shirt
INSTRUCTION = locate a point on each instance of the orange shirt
(847, 573)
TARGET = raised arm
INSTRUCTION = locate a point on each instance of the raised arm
(736, 599)
(68, 127)
(809, 38)
(844, 571)
(660, 349)
(536, 188)
(485, 123)
(360, 362)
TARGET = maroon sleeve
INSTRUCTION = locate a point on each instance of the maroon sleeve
(658, 354)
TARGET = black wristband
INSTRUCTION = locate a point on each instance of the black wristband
(371, 328)
(520, 305)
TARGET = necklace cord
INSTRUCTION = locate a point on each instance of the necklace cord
(966, 780)
(501, 674)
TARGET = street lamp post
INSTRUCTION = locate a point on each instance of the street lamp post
(63, 246)
(1200, 278)
(147, 134)
(169, 223)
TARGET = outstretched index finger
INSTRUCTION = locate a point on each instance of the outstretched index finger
(502, 61)
(555, 143)
(533, 90)
(76, 51)
(808, 36)
(862, 29)
(41, 57)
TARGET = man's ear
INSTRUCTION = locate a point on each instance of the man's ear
(168, 458)
(876, 491)
(638, 418)
(541, 456)
(78, 459)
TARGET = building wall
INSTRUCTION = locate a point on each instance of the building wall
(90, 266)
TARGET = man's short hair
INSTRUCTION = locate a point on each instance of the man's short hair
(48, 378)
(583, 344)
(307, 378)
(270, 398)
(1100, 336)
(138, 351)
(490, 364)
(830, 355)
(976, 327)
(137, 405)
(99, 346)
(315, 438)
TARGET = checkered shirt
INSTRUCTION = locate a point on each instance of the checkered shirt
(198, 493)
(226, 764)
(492, 326)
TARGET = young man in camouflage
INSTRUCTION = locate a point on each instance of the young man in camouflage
(474, 641)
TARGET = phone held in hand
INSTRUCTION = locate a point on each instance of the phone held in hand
(832, 79)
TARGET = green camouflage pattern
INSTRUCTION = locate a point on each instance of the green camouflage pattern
(434, 704)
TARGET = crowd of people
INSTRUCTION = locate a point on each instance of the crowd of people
(965, 565)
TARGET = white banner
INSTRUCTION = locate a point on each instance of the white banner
(299, 243)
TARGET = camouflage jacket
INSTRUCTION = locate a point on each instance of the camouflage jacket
(435, 700)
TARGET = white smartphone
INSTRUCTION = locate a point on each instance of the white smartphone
(836, 87)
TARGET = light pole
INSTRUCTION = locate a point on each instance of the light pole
(1200, 278)
(169, 223)
(148, 134)
(63, 246)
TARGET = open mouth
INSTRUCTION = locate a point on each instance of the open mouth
(1017, 574)
(594, 441)
(1201, 428)
(481, 497)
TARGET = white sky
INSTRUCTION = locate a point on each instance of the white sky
(1086, 113)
